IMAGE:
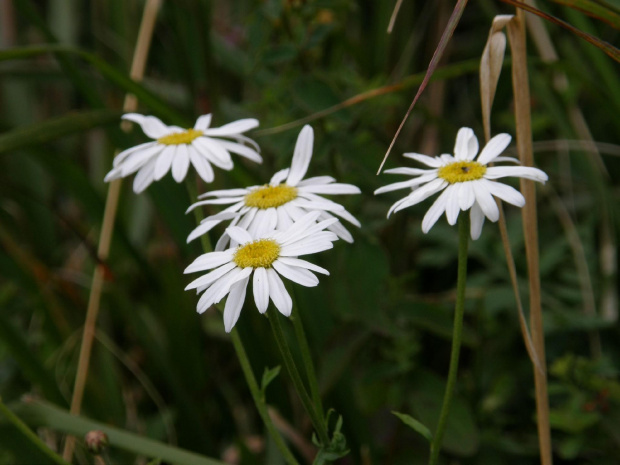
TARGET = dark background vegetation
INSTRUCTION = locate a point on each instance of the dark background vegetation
(380, 325)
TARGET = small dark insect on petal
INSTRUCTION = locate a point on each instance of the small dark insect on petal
(465, 169)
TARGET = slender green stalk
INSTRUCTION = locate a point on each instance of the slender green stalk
(257, 396)
(306, 356)
(315, 416)
(259, 401)
(23, 428)
(456, 337)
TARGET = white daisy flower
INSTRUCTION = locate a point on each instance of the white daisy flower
(466, 183)
(267, 256)
(277, 205)
(175, 148)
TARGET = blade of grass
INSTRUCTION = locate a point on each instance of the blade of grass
(520, 82)
(597, 10)
(39, 413)
(443, 43)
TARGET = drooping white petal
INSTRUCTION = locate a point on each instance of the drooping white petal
(236, 127)
(151, 126)
(298, 262)
(494, 148)
(281, 299)
(260, 286)
(144, 177)
(301, 156)
(211, 277)
(242, 150)
(164, 162)
(331, 189)
(202, 166)
(433, 162)
(137, 160)
(180, 164)
(203, 122)
(214, 152)
(466, 197)
(239, 234)
(297, 275)
(338, 229)
(421, 193)
(435, 212)
(234, 304)
(125, 153)
(452, 203)
(345, 215)
(505, 192)
(495, 172)
(477, 220)
(485, 200)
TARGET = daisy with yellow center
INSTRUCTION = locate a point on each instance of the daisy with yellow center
(277, 205)
(175, 148)
(466, 183)
(265, 257)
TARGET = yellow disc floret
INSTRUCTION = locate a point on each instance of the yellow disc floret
(185, 137)
(462, 171)
(270, 196)
(257, 254)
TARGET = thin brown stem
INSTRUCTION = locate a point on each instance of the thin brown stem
(143, 43)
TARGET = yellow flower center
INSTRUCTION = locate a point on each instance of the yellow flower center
(257, 254)
(185, 137)
(270, 196)
(462, 171)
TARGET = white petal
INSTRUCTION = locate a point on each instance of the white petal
(408, 171)
(485, 200)
(494, 148)
(279, 177)
(221, 243)
(466, 197)
(239, 234)
(477, 220)
(113, 174)
(301, 156)
(507, 159)
(316, 204)
(397, 185)
(203, 122)
(214, 152)
(420, 194)
(210, 260)
(138, 159)
(452, 203)
(211, 277)
(466, 146)
(505, 192)
(145, 177)
(209, 223)
(224, 193)
(434, 213)
(299, 226)
(202, 166)
(236, 127)
(316, 180)
(260, 285)
(242, 150)
(284, 220)
(433, 162)
(298, 262)
(281, 299)
(333, 189)
(297, 275)
(180, 163)
(338, 229)
(345, 215)
(309, 245)
(164, 162)
(152, 126)
(495, 172)
(125, 153)
(234, 304)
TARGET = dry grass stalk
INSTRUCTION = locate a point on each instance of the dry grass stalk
(143, 43)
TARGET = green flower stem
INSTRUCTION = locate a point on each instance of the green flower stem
(456, 337)
(259, 401)
(23, 428)
(257, 395)
(315, 416)
(306, 357)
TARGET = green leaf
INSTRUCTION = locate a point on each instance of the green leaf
(52, 129)
(415, 425)
(38, 413)
(595, 9)
(268, 376)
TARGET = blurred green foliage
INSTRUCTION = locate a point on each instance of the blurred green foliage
(380, 325)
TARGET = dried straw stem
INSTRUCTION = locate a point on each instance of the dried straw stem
(143, 43)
